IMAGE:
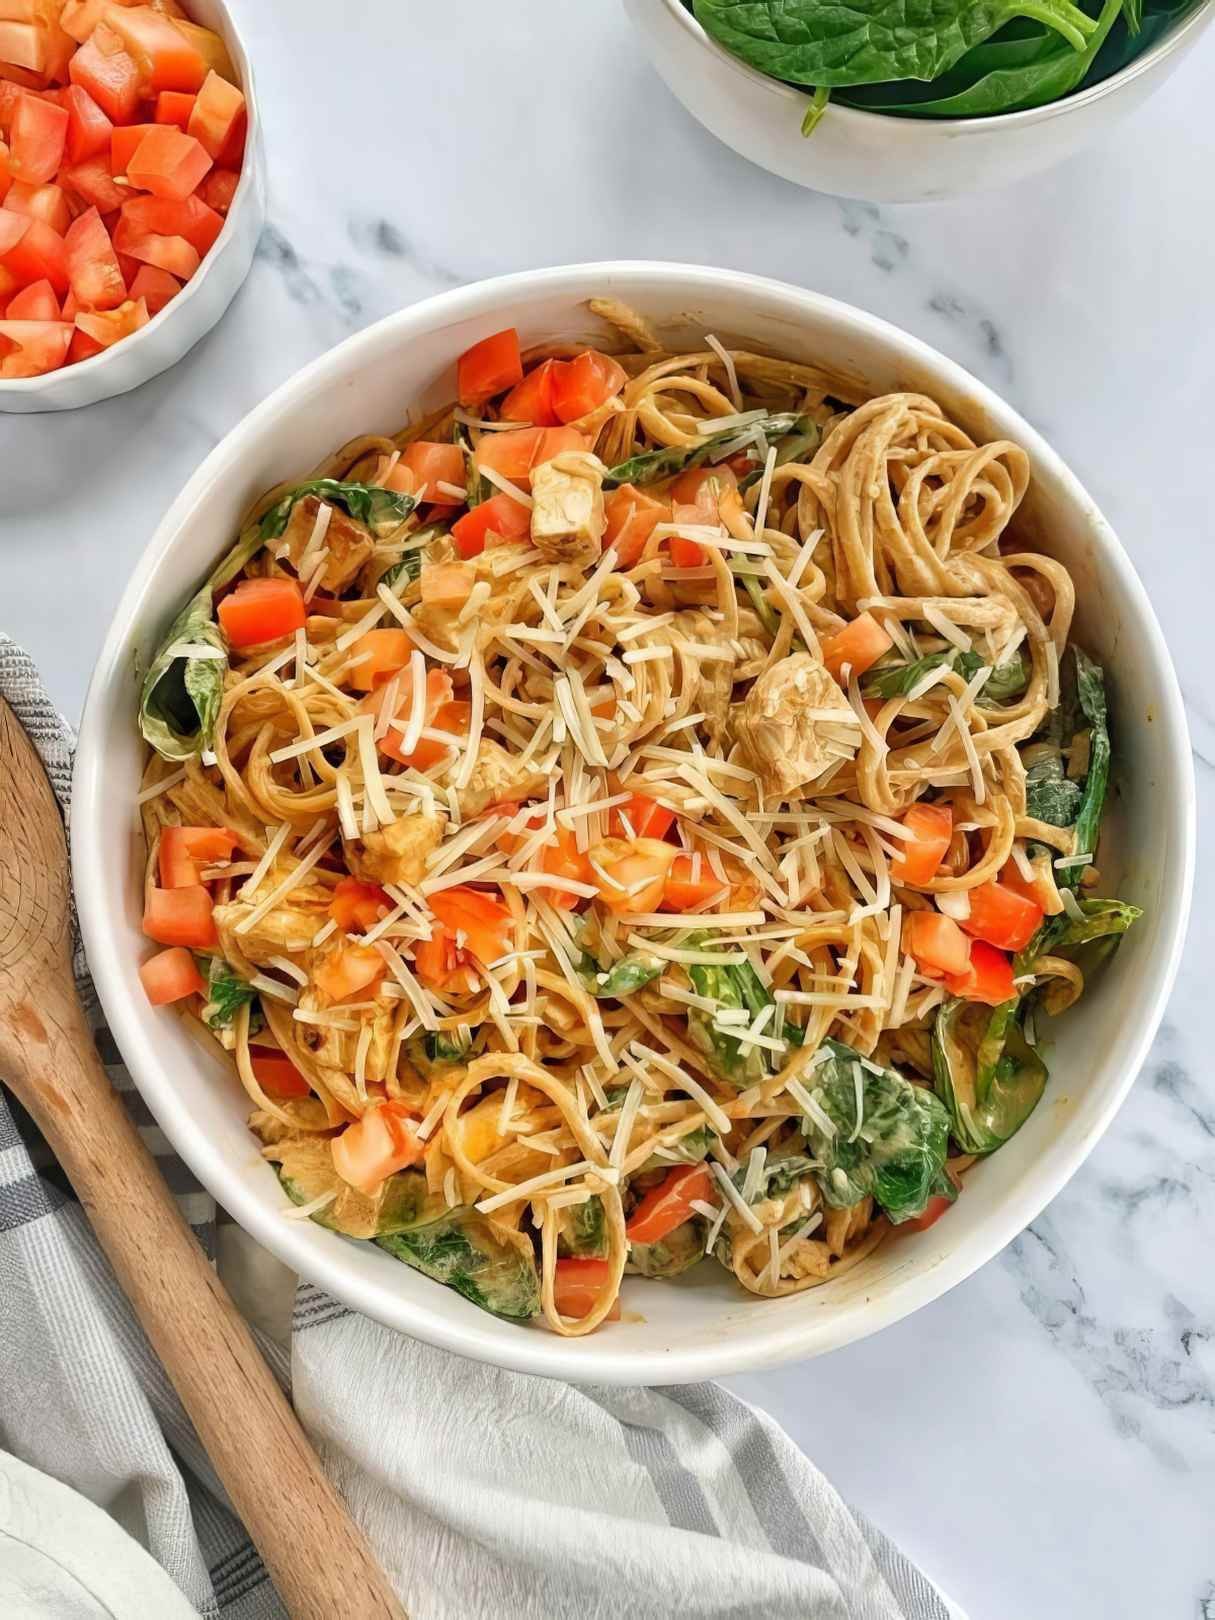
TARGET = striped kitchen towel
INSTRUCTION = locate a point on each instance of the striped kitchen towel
(487, 1495)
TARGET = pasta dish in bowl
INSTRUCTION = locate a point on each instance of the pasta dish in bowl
(645, 811)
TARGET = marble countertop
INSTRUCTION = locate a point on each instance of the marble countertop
(1043, 1438)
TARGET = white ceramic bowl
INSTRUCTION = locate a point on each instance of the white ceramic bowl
(703, 1324)
(877, 156)
(200, 303)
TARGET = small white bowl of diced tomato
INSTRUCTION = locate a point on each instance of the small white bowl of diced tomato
(131, 196)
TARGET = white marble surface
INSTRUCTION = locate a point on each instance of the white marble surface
(1043, 1439)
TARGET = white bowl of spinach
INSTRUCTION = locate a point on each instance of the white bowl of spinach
(897, 104)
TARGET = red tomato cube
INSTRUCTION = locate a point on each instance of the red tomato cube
(168, 163)
(168, 216)
(37, 302)
(107, 326)
(219, 108)
(36, 140)
(47, 203)
(88, 127)
(154, 286)
(93, 268)
(174, 107)
(32, 250)
(109, 75)
(219, 188)
(29, 348)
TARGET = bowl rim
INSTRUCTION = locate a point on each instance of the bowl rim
(96, 362)
(1173, 41)
(781, 1340)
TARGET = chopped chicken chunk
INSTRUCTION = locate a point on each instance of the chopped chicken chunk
(785, 725)
(567, 514)
(498, 778)
(348, 543)
(397, 853)
(288, 927)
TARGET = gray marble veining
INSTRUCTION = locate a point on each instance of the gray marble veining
(1043, 1438)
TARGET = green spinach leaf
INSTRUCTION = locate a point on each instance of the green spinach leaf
(1007, 680)
(1071, 792)
(733, 985)
(807, 43)
(668, 460)
(673, 1254)
(378, 509)
(985, 1072)
(464, 1252)
(227, 993)
(184, 686)
(895, 1151)
(583, 1230)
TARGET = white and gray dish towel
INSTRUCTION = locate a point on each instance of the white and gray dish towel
(487, 1495)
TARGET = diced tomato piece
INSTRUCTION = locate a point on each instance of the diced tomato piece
(81, 17)
(936, 942)
(390, 474)
(261, 610)
(447, 585)
(509, 454)
(93, 181)
(218, 114)
(36, 140)
(349, 971)
(110, 76)
(1001, 916)
(88, 131)
(683, 892)
(155, 287)
(377, 655)
(32, 250)
(933, 1210)
(278, 1076)
(37, 302)
(183, 849)
(434, 464)
(109, 326)
(563, 858)
(439, 962)
(501, 514)
(858, 645)
(636, 871)
(703, 488)
(218, 189)
(6, 179)
(124, 143)
(172, 253)
(631, 519)
(584, 383)
(450, 718)
(207, 43)
(48, 203)
(30, 348)
(531, 401)
(988, 976)
(165, 57)
(578, 1285)
(437, 711)
(171, 976)
(375, 1147)
(669, 1204)
(188, 217)
(175, 107)
(1040, 889)
(557, 441)
(489, 367)
(483, 921)
(358, 906)
(642, 817)
(685, 553)
(92, 264)
(931, 826)
(81, 347)
(180, 917)
(168, 163)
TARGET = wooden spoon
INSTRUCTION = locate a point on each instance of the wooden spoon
(316, 1556)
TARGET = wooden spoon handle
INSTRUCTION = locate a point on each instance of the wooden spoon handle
(316, 1556)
